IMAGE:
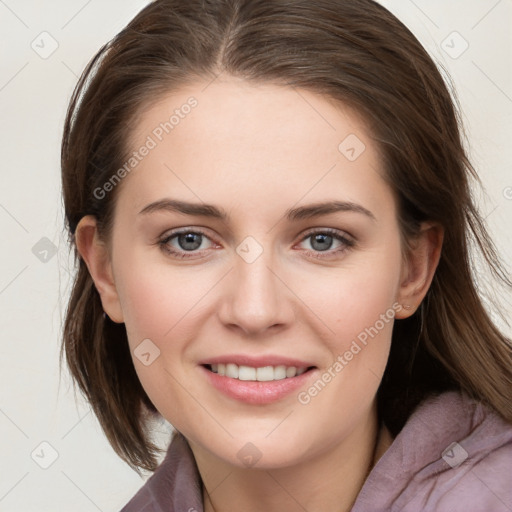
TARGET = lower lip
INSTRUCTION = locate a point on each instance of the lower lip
(256, 392)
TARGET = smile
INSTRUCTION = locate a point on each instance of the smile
(261, 374)
(257, 385)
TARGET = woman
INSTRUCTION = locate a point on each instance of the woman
(271, 208)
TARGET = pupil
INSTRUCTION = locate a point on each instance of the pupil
(321, 242)
(189, 241)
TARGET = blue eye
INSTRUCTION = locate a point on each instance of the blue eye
(183, 242)
(189, 243)
(322, 241)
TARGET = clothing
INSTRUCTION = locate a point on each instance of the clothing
(422, 471)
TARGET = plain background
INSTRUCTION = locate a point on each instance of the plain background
(84, 474)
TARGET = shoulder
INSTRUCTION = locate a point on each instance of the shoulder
(474, 471)
(175, 485)
(453, 454)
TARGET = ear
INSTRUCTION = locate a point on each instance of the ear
(419, 267)
(95, 253)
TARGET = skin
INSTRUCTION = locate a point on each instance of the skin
(257, 151)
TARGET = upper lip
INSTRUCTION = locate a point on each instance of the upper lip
(257, 361)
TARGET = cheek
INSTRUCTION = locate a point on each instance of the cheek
(159, 300)
(360, 321)
(358, 306)
(156, 298)
(162, 308)
(353, 298)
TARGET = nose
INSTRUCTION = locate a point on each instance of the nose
(255, 299)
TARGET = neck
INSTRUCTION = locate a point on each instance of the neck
(329, 482)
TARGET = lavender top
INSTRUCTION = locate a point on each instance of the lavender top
(454, 454)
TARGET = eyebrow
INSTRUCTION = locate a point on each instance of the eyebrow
(293, 214)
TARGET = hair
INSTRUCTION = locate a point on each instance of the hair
(352, 52)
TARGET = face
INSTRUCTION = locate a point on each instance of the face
(264, 276)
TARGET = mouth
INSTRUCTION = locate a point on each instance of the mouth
(257, 385)
(257, 374)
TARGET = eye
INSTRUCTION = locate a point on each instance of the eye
(328, 241)
(185, 243)
(190, 243)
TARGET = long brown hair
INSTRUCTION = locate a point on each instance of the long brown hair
(350, 51)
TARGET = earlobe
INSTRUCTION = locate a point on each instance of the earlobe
(419, 268)
(96, 256)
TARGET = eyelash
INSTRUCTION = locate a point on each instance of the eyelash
(347, 243)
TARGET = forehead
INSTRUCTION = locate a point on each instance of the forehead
(252, 144)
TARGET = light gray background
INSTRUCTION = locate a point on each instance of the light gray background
(35, 88)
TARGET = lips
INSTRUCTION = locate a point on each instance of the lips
(261, 374)
(257, 380)
(257, 361)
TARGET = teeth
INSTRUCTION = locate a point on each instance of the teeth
(281, 373)
(262, 374)
(265, 374)
(246, 373)
(232, 371)
(291, 371)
